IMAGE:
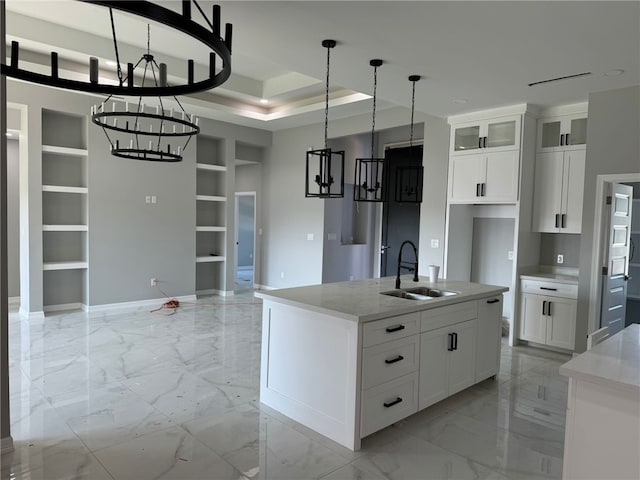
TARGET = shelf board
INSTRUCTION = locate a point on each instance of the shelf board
(211, 198)
(78, 265)
(64, 189)
(210, 258)
(636, 265)
(215, 168)
(65, 228)
(635, 232)
(633, 297)
(211, 229)
(75, 152)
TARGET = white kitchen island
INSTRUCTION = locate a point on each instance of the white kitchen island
(602, 436)
(346, 360)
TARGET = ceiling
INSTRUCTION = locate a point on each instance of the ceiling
(471, 55)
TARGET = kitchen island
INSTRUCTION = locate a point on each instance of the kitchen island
(602, 434)
(346, 360)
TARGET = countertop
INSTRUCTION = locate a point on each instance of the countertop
(613, 363)
(555, 277)
(361, 301)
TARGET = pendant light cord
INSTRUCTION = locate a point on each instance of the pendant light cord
(326, 103)
(115, 45)
(413, 101)
(373, 122)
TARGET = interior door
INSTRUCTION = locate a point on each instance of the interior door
(400, 220)
(616, 269)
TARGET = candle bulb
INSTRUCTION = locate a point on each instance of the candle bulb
(131, 143)
(113, 107)
(179, 149)
(102, 106)
(115, 122)
(157, 109)
(171, 113)
(93, 70)
(150, 144)
(197, 118)
(174, 129)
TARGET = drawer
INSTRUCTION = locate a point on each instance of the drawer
(388, 403)
(391, 328)
(390, 360)
(449, 315)
(550, 289)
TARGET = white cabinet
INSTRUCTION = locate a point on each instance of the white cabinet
(493, 134)
(487, 177)
(548, 313)
(489, 334)
(562, 132)
(558, 191)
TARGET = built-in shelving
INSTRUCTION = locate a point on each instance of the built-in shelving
(211, 229)
(210, 198)
(210, 259)
(64, 209)
(213, 168)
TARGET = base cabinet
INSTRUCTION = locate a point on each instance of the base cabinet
(488, 337)
(447, 361)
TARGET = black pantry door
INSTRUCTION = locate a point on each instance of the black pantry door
(400, 220)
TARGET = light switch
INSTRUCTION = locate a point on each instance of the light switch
(510, 255)
(310, 236)
(154, 199)
(147, 199)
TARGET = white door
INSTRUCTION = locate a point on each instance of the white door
(547, 192)
(533, 323)
(502, 174)
(573, 191)
(466, 174)
(462, 369)
(561, 323)
(489, 333)
(435, 347)
(616, 269)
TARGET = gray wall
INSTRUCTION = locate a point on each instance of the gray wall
(554, 244)
(246, 211)
(613, 147)
(13, 217)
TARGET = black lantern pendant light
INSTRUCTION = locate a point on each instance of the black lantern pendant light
(325, 167)
(409, 178)
(368, 178)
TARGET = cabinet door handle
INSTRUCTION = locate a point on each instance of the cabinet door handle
(391, 404)
(557, 220)
(495, 300)
(544, 307)
(566, 139)
(484, 142)
(549, 288)
(479, 142)
(562, 140)
(394, 360)
(483, 189)
(478, 189)
(455, 341)
(563, 223)
(549, 308)
(450, 347)
(397, 328)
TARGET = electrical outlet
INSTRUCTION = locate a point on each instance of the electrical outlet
(510, 255)
(560, 259)
(435, 243)
(281, 274)
(154, 282)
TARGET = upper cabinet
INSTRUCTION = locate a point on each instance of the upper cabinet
(494, 134)
(562, 132)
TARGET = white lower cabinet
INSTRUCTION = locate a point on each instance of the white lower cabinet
(548, 319)
(488, 337)
(446, 361)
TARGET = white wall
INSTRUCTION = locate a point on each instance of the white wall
(613, 146)
(13, 218)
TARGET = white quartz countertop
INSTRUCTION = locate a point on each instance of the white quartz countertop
(613, 363)
(554, 277)
(361, 301)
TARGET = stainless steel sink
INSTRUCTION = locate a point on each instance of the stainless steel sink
(420, 293)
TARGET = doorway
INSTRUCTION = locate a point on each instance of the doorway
(245, 240)
(400, 219)
(601, 238)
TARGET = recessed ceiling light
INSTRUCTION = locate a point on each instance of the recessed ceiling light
(460, 101)
(264, 101)
(614, 73)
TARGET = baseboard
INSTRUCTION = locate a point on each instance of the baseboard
(213, 291)
(136, 305)
(14, 303)
(263, 287)
(6, 445)
(65, 306)
(31, 316)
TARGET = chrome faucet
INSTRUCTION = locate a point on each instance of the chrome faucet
(413, 269)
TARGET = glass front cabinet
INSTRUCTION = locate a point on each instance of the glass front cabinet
(496, 134)
(565, 132)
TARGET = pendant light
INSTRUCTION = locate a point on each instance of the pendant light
(368, 177)
(325, 167)
(409, 177)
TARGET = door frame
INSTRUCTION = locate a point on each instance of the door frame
(235, 233)
(599, 239)
(379, 214)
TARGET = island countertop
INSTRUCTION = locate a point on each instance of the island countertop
(613, 363)
(362, 301)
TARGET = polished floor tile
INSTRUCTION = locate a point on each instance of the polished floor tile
(141, 395)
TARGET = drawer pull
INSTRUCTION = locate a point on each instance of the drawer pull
(541, 411)
(394, 360)
(397, 328)
(549, 288)
(495, 300)
(391, 404)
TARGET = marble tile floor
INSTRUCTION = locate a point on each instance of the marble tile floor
(147, 396)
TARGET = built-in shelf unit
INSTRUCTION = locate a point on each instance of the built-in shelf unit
(211, 206)
(64, 209)
(633, 286)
